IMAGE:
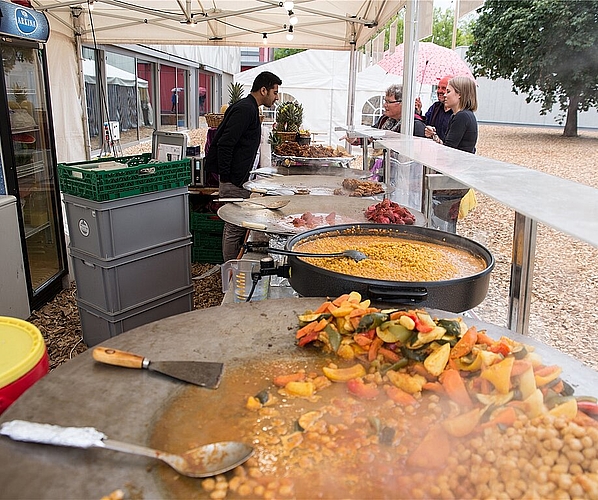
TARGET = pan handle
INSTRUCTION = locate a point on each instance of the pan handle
(398, 295)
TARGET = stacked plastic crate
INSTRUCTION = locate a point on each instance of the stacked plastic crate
(130, 244)
(206, 229)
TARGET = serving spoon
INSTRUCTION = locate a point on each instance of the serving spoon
(356, 255)
(203, 461)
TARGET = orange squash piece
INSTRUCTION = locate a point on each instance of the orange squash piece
(433, 451)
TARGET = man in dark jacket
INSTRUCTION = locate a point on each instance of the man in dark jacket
(233, 150)
(438, 116)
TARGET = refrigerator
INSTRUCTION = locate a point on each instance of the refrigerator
(28, 169)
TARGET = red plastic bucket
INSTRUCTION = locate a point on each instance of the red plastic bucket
(23, 359)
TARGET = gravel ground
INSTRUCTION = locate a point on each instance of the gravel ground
(563, 309)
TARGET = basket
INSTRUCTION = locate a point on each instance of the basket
(287, 136)
(214, 119)
(139, 177)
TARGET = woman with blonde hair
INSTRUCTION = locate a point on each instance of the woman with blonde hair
(461, 98)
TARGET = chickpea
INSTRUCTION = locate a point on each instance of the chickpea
(208, 484)
(218, 494)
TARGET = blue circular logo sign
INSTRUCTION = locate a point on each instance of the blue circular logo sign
(26, 23)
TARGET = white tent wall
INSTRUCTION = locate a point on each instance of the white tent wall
(66, 98)
(318, 79)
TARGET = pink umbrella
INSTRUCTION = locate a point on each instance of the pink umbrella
(433, 63)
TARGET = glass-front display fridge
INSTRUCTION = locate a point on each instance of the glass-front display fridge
(28, 157)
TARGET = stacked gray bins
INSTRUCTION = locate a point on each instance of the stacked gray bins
(131, 260)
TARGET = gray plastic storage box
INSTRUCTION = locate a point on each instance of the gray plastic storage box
(97, 326)
(121, 284)
(114, 229)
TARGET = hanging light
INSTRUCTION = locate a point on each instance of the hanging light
(293, 19)
(290, 35)
(288, 5)
(265, 39)
(91, 5)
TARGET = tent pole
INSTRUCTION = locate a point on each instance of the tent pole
(410, 57)
(82, 91)
(352, 83)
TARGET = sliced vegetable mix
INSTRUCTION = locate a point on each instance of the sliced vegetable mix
(397, 355)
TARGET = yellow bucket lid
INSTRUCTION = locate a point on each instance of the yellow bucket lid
(21, 348)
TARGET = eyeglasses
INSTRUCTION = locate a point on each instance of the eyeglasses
(386, 101)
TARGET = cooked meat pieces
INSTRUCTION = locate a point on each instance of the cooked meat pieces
(316, 151)
(358, 187)
(389, 212)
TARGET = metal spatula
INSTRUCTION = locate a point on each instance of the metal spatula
(257, 202)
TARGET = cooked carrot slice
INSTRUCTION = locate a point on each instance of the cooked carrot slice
(374, 348)
(465, 344)
(455, 387)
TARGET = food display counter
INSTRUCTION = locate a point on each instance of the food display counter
(126, 404)
(536, 197)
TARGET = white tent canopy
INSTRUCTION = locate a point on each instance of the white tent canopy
(331, 24)
(318, 79)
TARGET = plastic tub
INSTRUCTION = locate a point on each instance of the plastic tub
(23, 359)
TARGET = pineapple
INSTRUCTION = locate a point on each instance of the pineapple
(289, 117)
(235, 92)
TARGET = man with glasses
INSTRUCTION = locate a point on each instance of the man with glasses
(438, 116)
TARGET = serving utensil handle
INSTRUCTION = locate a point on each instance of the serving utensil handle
(115, 357)
(34, 432)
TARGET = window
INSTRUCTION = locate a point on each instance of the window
(372, 110)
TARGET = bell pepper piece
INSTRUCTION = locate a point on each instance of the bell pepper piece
(500, 348)
(499, 375)
(323, 308)
(464, 424)
(420, 325)
(375, 346)
(399, 396)
(344, 374)
(434, 387)
(436, 362)
(547, 374)
(588, 407)
(455, 388)
(465, 344)
(483, 338)
(506, 416)
(306, 339)
(390, 356)
(362, 390)
(520, 366)
(302, 389)
(433, 451)
(282, 380)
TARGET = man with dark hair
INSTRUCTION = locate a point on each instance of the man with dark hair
(233, 150)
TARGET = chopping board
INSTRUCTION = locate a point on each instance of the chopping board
(317, 185)
(348, 210)
(125, 406)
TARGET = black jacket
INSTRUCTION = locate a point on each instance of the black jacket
(233, 149)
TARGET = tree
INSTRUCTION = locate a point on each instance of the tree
(548, 48)
(442, 29)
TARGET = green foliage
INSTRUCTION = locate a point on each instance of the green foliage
(548, 48)
(281, 53)
(235, 92)
(442, 29)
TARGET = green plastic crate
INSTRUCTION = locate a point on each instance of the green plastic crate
(207, 255)
(206, 222)
(208, 241)
(139, 177)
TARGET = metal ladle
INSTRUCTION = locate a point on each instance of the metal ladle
(203, 461)
(356, 255)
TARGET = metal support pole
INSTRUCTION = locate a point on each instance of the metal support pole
(522, 271)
